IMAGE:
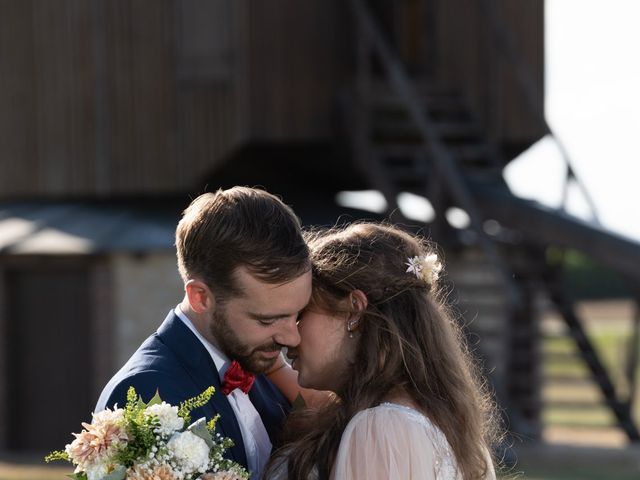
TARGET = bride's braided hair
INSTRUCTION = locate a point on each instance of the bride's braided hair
(407, 340)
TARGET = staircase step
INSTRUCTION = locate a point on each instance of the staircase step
(484, 173)
(406, 131)
(404, 171)
(406, 180)
(574, 404)
(399, 150)
(562, 357)
(468, 155)
(470, 277)
(438, 107)
(471, 152)
(421, 86)
(489, 299)
(574, 380)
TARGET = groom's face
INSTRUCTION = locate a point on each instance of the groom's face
(252, 328)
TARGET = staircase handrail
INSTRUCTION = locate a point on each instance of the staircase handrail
(609, 249)
(445, 163)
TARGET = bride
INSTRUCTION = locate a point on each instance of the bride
(408, 403)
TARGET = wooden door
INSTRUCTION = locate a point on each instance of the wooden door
(48, 358)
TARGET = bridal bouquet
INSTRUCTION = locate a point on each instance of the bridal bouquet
(149, 441)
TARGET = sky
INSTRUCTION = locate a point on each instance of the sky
(592, 82)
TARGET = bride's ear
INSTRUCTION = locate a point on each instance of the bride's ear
(358, 305)
(359, 301)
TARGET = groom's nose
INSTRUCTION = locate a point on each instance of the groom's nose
(288, 335)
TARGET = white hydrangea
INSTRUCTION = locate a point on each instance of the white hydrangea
(98, 471)
(190, 452)
(168, 417)
(108, 416)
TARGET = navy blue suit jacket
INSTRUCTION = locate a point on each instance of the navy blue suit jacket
(174, 362)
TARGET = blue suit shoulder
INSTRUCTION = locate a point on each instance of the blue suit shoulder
(153, 367)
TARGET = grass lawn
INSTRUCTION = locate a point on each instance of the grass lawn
(575, 473)
(579, 403)
(562, 462)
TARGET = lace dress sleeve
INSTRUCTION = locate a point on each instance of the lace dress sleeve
(390, 442)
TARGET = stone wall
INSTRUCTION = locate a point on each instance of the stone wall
(145, 288)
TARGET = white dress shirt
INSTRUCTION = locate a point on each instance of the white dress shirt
(256, 440)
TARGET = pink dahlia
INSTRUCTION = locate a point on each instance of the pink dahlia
(157, 472)
(98, 440)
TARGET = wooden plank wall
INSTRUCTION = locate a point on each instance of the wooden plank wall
(98, 98)
(300, 58)
(46, 84)
(467, 58)
(140, 94)
(90, 101)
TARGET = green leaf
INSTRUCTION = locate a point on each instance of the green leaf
(78, 476)
(199, 428)
(156, 400)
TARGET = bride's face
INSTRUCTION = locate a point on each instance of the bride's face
(324, 351)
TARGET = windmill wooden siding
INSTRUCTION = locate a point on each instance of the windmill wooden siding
(467, 57)
(109, 97)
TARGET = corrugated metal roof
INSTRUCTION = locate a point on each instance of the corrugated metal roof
(79, 228)
(137, 225)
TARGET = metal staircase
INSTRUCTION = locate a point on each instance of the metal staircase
(408, 136)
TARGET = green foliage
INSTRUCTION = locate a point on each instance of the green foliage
(57, 455)
(141, 429)
(198, 401)
(211, 426)
(587, 279)
(78, 476)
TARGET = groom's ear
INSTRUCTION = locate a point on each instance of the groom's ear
(200, 297)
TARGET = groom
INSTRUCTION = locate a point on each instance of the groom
(246, 274)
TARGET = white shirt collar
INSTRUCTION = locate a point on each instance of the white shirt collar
(254, 435)
(221, 361)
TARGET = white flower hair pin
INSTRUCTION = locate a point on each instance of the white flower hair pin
(426, 268)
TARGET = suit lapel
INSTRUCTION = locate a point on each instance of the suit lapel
(202, 370)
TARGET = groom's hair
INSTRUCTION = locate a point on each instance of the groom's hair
(237, 227)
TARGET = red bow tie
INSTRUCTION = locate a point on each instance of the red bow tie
(236, 377)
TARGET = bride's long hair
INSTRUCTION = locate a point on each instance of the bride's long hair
(408, 341)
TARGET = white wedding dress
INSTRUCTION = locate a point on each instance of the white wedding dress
(392, 441)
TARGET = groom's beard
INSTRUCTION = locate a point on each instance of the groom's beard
(248, 357)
